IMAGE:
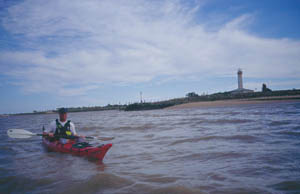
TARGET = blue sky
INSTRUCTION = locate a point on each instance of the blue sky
(93, 53)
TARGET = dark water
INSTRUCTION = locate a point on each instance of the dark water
(240, 149)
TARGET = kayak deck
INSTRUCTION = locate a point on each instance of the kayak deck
(70, 147)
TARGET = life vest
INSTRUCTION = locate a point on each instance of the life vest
(63, 130)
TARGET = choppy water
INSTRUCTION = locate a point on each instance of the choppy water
(240, 149)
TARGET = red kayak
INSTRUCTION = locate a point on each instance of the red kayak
(78, 149)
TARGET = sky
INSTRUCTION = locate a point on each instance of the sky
(63, 53)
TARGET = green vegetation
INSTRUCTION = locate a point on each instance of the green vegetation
(191, 95)
(80, 109)
(148, 106)
(97, 108)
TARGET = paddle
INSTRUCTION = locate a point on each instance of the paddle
(22, 133)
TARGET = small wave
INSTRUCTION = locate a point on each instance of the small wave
(176, 190)
(6, 148)
(123, 128)
(134, 128)
(208, 114)
(287, 186)
(180, 123)
(163, 115)
(233, 113)
(123, 156)
(98, 183)
(291, 112)
(291, 133)
(158, 178)
(192, 140)
(21, 184)
(216, 177)
(296, 128)
(211, 156)
(149, 136)
(242, 138)
(279, 123)
(240, 190)
(215, 156)
(92, 128)
(228, 121)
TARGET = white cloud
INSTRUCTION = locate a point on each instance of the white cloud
(130, 41)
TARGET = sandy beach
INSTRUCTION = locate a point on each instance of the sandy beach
(236, 102)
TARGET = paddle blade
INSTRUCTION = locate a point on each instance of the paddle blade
(19, 133)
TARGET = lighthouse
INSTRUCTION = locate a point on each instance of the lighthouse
(240, 88)
(240, 79)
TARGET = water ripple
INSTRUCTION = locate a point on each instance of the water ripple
(240, 149)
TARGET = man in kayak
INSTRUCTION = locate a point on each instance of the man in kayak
(62, 127)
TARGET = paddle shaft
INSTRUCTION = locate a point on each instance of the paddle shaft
(73, 136)
(86, 137)
(21, 133)
(76, 137)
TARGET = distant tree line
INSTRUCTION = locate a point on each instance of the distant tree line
(96, 108)
(193, 97)
(148, 106)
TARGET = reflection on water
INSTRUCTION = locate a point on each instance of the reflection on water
(246, 149)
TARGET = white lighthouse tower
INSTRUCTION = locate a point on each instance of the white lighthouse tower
(240, 89)
(240, 79)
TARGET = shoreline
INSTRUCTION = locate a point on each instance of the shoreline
(235, 102)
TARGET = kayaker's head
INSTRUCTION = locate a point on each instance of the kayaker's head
(62, 114)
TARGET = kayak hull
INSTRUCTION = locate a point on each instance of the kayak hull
(91, 152)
